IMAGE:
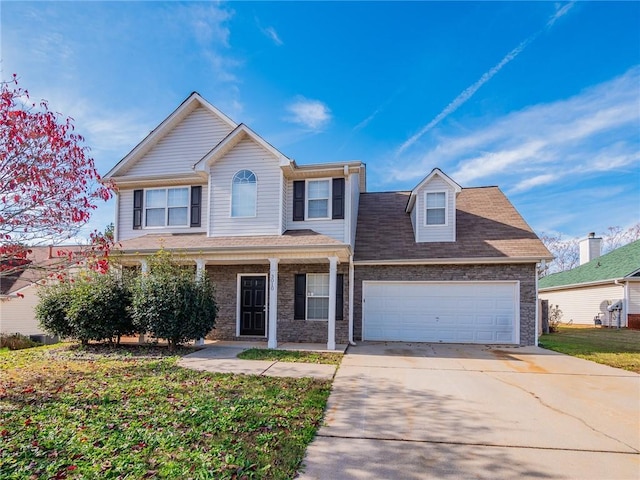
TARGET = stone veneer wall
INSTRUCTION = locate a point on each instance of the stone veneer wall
(225, 279)
(525, 273)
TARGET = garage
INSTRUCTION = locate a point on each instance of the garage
(447, 312)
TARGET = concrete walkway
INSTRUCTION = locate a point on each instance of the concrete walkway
(222, 357)
(425, 411)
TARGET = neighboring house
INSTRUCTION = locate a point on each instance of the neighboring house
(19, 291)
(586, 291)
(301, 253)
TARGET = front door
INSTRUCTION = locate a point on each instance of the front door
(253, 305)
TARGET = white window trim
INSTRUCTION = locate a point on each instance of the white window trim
(446, 209)
(329, 199)
(239, 300)
(231, 197)
(166, 208)
(306, 299)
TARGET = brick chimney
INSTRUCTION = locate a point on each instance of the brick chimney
(590, 248)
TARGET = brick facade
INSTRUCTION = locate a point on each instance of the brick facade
(225, 279)
(525, 273)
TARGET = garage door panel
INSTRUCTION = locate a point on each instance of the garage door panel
(465, 312)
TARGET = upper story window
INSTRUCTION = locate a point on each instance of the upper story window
(318, 198)
(436, 208)
(167, 207)
(243, 194)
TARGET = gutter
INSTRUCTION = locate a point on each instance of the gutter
(447, 261)
(585, 284)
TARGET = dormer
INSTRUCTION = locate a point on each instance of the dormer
(432, 207)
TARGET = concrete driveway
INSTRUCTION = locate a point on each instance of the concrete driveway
(419, 411)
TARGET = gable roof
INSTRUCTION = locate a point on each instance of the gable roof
(436, 171)
(168, 124)
(618, 264)
(236, 136)
(489, 229)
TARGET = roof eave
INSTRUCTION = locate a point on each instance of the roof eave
(595, 283)
(451, 261)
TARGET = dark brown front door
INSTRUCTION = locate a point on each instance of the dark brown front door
(253, 305)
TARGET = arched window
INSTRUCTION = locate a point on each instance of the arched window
(243, 194)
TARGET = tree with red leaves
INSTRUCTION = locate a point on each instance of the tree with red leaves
(48, 184)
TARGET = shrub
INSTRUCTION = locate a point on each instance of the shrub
(94, 307)
(172, 303)
(51, 311)
(555, 317)
(16, 341)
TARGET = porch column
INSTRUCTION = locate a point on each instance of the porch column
(144, 268)
(333, 279)
(272, 340)
(199, 271)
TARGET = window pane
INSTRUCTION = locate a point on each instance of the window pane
(178, 216)
(318, 209)
(318, 284)
(178, 197)
(317, 308)
(243, 199)
(435, 200)
(155, 217)
(318, 189)
(435, 216)
(156, 198)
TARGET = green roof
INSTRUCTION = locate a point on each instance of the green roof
(619, 263)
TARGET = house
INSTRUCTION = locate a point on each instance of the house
(586, 292)
(302, 253)
(19, 289)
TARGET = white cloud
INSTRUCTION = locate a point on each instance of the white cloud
(311, 114)
(488, 75)
(273, 35)
(594, 131)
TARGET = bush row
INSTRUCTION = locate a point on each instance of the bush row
(168, 302)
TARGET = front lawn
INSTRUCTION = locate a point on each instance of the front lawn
(291, 356)
(618, 348)
(132, 413)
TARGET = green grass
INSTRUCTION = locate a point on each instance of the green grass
(618, 348)
(291, 356)
(132, 413)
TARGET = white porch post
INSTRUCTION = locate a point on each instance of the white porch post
(144, 268)
(333, 279)
(272, 341)
(199, 271)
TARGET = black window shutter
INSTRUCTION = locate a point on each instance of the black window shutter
(196, 202)
(300, 297)
(298, 200)
(340, 297)
(338, 199)
(137, 209)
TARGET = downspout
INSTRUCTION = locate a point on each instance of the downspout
(351, 280)
(625, 299)
(537, 310)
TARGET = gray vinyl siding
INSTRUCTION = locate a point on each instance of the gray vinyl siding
(445, 233)
(125, 217)
(285, 210)
(17, 315)
(634, 298)
(329, 227)
(581, 305)
(185, 145)
(246, 155)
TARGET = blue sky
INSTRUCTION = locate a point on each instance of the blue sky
(539, 98)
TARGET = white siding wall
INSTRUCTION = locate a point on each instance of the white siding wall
(435, 233)
(634, 297)
(125, 217)
(331, 228)
(17, 315)
(582, 304)
(285, 210)
(187, 143)
(246, 155)
(354, 183)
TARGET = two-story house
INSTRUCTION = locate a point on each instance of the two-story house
(301, 253)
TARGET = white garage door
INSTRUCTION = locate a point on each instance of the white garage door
(454, 312)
